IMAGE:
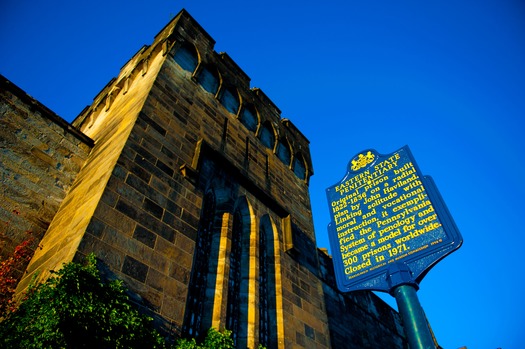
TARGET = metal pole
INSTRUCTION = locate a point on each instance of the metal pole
(414, 320)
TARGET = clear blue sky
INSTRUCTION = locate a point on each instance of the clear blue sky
(445, 77)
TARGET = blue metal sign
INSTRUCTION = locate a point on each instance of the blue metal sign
(389, 224)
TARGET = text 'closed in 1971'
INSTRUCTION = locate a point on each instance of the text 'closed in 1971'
(382, 214)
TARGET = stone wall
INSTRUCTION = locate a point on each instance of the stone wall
(165, 147)
(145, 226)
(358, 319)
(109, 122)
(40, 156)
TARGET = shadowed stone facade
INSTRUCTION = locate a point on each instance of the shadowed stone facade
(191, 187)
(40, 156)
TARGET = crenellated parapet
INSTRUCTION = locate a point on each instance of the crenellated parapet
(223, 79)
(185, 41)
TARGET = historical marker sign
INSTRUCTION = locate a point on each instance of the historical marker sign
(386, 220)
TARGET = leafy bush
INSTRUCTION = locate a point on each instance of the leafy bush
(75, 309)
(213, 340)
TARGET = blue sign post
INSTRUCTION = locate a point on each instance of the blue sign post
(389, 226)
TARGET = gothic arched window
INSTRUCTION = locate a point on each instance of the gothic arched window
(299, 166)
(199, 277)
(283, 152)
(249, 118)
(186, 57)
(267, 136)
(234, 279)
(230, 100)
(267, 297)
(208, 78)
(239, 278)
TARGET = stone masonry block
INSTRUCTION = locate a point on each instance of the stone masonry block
(135, 269)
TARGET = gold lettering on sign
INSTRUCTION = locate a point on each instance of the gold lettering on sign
(380, 212)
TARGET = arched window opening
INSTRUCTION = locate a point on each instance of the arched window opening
(283, 152)
(199, 278)
(299, 167)
(187, 57)
(230, 100)
(267, 301)
(249, 118)
(267, 136)
(239, 279)
(234, 279)
(208, 78)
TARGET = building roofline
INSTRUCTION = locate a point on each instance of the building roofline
(7, 85)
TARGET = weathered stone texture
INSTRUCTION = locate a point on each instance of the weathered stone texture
(358, 319)
(164, 148)
(40, 156)
(109, 122)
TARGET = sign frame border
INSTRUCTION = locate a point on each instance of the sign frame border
(410, 269)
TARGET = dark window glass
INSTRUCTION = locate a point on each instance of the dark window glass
(283, 152)
(264, 311)
(230, 100)
(299, 168)
(267, 136)
(267, 305)
(198, 284)
(209, 80)
(249, 119)
(186, 57)
(234, 279)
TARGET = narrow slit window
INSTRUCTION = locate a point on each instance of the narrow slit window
(199, 278)
(267, 297)
(239, 276)
(299, 167)
(234, 279)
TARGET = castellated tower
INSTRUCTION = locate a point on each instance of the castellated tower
(194, 191)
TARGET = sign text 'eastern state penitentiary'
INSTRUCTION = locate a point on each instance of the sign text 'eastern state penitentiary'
(384, 212)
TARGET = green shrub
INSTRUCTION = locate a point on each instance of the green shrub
(213, 340)
(75, 309)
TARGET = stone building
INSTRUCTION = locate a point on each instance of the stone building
(188, 185)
